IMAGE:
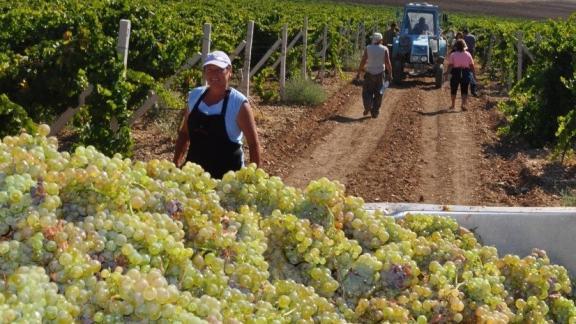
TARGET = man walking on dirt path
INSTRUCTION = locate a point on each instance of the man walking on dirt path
(470, 41)
(389, 36)
(376, 64)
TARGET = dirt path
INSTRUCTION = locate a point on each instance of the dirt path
(416, 150)
(450, 148)
(350, 142)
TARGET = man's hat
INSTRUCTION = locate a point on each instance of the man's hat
(376, 37)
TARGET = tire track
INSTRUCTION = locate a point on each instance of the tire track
(448, 146)
(353, 138)
(391, 172)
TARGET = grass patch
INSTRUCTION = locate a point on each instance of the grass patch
(350, 62)
(569, 198)
(308, 92)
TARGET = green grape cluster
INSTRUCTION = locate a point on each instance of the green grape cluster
(141, 296)
(252, 186)
(89, 238)
(309, 253)
(28, 296)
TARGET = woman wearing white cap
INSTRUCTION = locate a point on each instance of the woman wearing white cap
(375, 62)
(216, 119)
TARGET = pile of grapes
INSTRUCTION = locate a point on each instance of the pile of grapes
(96, 239)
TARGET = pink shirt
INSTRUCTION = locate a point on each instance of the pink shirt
(460, 59)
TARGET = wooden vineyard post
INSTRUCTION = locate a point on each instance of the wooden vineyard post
(539, 38)
(245, 85)
(304, 47)
(122, 49)
(344, 34)
(290, 46)
(488, 66)
(519, 36)
(57, 126)
(357, 39)
(238, 50)
(123, 41)
(489, 52)
(362, 37)
(189, 63)
(526, 51)
(324, 49)
(265, 57)
(207, 32)
(283, 62)
(150, 101)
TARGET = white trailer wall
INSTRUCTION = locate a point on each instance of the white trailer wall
(515, 230)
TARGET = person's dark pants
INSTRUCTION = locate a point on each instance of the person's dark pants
(371, 96)
(473, 85)
(460, 77)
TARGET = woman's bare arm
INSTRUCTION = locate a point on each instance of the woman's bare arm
(247, 124)
(182, 141)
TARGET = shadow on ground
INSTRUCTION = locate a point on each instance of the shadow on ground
(439, 112)
(345, 119)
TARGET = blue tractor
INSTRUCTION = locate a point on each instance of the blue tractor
(420, 46)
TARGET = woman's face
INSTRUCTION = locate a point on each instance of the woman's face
(216, 76)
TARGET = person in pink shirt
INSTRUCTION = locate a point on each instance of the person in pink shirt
(461, 68)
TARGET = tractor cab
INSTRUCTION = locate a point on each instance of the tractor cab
(419, 22)
(420, 46)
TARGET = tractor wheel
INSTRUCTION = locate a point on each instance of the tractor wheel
(438, 74)
(397, 71)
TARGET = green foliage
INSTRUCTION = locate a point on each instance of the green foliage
(267, 91)
(13, 118)
(140, 84)
(569, 198)
(51, 51)
(566, 132)
(352, 61)
(541, 105)
(304, 91)
(106, 106)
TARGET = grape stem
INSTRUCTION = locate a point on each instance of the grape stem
(138, 184)
(289, 312)
(182, 276)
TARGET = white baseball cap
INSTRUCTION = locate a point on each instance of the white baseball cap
(376, 37)
(218, 58)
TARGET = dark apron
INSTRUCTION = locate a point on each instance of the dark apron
(210, 146)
